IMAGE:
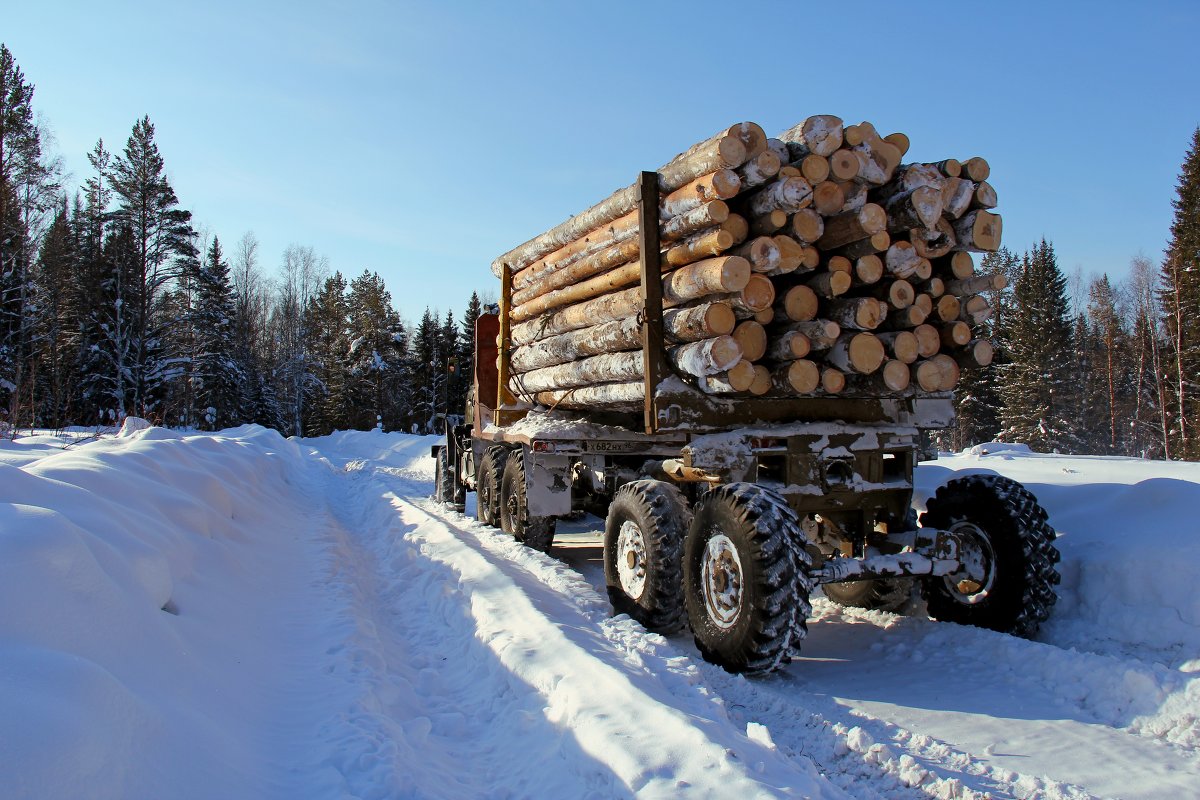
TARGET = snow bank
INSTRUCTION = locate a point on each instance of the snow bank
(125, 641)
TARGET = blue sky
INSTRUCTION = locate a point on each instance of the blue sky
(421, 140)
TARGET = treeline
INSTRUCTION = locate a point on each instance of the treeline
(112, 304)
(1106, 369)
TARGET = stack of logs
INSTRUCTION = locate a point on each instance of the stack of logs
(816, 263)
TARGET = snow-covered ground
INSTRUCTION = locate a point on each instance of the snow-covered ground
(240, 615)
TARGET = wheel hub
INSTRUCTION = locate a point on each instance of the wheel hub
(721, 574)
(973, 580)
(631, 559)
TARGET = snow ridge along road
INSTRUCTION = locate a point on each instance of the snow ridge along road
(238, 615)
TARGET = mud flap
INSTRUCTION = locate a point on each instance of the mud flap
(548, 484)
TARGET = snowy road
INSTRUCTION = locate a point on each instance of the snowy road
(241, 616)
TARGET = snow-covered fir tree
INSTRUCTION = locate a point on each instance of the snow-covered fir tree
(1180, 298)
(1038, 383)
(328, 399)
(376, 357)
(220, 376)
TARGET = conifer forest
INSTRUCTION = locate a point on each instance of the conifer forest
(113, 303)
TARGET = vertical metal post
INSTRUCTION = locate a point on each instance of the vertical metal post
(652, 309)
(504, 397)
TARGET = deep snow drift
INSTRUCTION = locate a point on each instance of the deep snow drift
(239, 615)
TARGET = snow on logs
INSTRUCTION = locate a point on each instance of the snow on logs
(813, 263)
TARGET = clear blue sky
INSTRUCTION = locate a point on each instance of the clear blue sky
(423, 140)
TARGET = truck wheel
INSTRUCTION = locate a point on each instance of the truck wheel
(643, 551)
(535, 532)
(745, 578)
(1007, 583)
(444, 482)
(883, 594)
(487, 492)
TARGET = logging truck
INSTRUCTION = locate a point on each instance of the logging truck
(736, 473)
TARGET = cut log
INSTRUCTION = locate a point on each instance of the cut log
(798, 303)
(901, 259)
(828, 198)
(922, 270)
(956, 266)
(859, 313)
(853, 226)
(737, 225)
(900, 345)
(711, 242)
(833, 380)
(946, 308)
(843, 166)
(762, 381)
(934, 287)
(765, 317)
(780, 149)
(543, 278)
(867, 270)
(924, 302)
(762, 253)
(899, 319)
(875, 243)
(806, 225)
(929, 341)
(821, 333)
(908, 178)
(977, 169)
(712, 213)
(796, 377)
(897, 294)
(977, 284)
(679, 325)
(820, 134)
(854, 135)
(949, 370)
(814, 168)
(976, 353)
(788, 347)
(984, 197)
(792, 255)
(933, 243)
(898, 140)
(928, 375)
(919, 208)
(768, 223)
(719, 275)
(951, 167)
(758, 293)
(839, 264)
(978, 231)
(707, 357)
(856, 195)
(955, 334)
(829, 284)
(610, 395)
(737, 379)
(788, 195)
(956, 196)
(976, 310)
(858, 353)
(893, 377)
(720, 185)
(752, 338)
(759, 169)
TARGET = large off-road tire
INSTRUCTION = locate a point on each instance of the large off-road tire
(535, 532)
(443, 490)
(1010, 587)
(487, 487)
(643, 551)
(745, 578)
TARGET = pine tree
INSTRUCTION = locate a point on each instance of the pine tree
(1037, 384)
(218, 371)
(58, 322)
(1112, 351)
(111, 365)
(162, 241)
(1180, 298)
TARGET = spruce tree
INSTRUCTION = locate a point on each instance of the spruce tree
(328, 345)
(375, 354)
(58, 322)
(162, 241)
(1180, 298)
(1037, 386)
(220, 375)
